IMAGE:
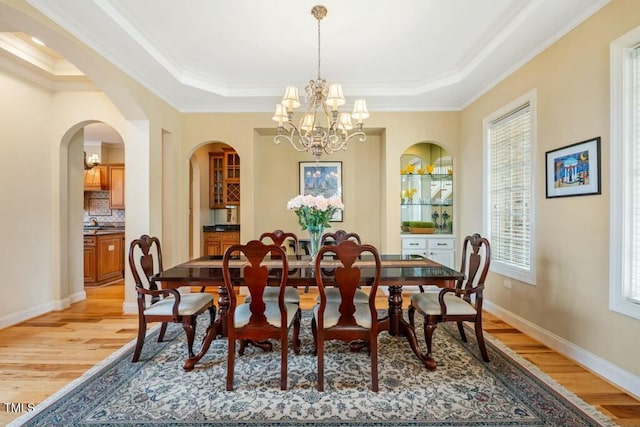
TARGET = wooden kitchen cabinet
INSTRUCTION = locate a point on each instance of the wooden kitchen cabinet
(216, 180)
(224, 179)
(96, 179)
(103, 258)
(89, 259)
(116, 186)
(232, 178)
(216, 243)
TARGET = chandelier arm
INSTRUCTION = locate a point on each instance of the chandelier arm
(290, 137)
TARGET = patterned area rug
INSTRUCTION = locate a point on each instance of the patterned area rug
(463, 391)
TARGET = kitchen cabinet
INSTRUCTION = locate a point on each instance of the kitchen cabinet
(224, 179)
(103, 258)
(216, 243)
(437, 247)
(89, 259)
(116, 186)
(96, 179)
(216, 180)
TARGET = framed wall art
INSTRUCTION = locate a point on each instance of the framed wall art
(322, 178)
(574, 170)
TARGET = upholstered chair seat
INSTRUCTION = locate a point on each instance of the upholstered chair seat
(427, 303)
(291, 295)
(189, 305)
(362, 314)
(272, 313)
(333, 295)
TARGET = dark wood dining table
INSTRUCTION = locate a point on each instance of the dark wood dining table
(397, 272)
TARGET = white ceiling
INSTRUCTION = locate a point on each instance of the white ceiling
(405, 55)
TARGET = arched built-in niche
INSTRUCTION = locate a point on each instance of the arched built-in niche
(426, 202)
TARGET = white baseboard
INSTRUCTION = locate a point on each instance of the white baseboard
(22, 315)
(612, 373)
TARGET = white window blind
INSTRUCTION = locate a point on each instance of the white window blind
(634, 292)
(510, 189)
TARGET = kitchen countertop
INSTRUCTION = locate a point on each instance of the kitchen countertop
(103, 232)
(220, 228)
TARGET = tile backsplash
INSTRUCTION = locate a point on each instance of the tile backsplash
(96, 205)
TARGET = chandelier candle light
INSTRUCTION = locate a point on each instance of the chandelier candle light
(314, 213)
(323, 127)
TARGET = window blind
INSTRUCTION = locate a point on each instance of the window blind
(634, 292)
(510, 188)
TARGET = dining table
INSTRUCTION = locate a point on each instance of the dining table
(397, 272)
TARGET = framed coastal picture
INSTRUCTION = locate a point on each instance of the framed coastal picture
(574, 170)
(322, 178)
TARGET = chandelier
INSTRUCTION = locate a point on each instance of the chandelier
(323, 128)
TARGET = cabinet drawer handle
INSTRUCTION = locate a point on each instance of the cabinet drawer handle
(413, 244)
(441, 244)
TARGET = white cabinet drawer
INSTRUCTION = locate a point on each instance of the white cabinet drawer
(414, 243)
(441, 243)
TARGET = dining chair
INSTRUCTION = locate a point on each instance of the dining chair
(337, 238)
(346, 319)
(162, 305)
(462, 303)
(291, 294)
(260, 319)
(281, 239)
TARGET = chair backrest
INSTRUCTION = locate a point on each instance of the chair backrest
(256, 277)
(347, 279)
(280, 238)
(339, 237)
(145, 260)
(476, 258)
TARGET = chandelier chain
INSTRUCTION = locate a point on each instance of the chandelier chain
(318, 49)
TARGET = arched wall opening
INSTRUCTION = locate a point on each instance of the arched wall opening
(78, 205)
(201, 210)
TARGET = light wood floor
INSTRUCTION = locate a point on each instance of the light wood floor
(40, 356)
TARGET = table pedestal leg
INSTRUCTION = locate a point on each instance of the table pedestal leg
(396, 325)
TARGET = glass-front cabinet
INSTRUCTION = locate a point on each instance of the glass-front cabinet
(426, 203)
(426, 189)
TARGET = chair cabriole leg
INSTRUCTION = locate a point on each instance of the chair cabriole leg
(163, 330)
(190, 330)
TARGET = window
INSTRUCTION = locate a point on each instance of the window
(509, 136)
(624, 261)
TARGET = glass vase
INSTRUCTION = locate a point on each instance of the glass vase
(315, 235)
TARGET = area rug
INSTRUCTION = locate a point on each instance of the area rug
(463, 391)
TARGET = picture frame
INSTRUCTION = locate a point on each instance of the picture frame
(322, 178)
(573, 170)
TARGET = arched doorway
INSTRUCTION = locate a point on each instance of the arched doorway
(214, 196)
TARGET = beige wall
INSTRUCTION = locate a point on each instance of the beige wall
(570, 296)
